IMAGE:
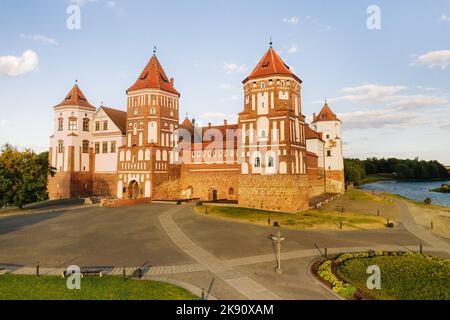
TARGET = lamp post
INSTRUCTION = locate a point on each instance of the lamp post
(278, 239)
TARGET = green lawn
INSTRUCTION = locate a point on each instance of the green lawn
(403, 277)
(92, 288)
(312, 219)
(371, 178)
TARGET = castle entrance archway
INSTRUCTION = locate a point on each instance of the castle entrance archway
(133, 190)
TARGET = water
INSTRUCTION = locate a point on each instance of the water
(413, 190)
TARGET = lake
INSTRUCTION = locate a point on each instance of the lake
(413, 190)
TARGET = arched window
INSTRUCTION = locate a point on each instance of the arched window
(85, 146)
(271, 162)
(231, 192)
(257, 162)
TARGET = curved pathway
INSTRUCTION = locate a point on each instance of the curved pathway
(243, 284)
(420, 232)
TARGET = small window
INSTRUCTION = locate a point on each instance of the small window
(113, 147)
(328, 136)
(86, 125)
(60, 147)
(105, 147)
(60, 124)
(97, 126)
(231, 192)
(85, 146)
(271, 162)
(263, 85)
(97, 148)
(105, 125)
(328, 153)
(72, 124)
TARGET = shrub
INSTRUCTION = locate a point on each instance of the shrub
(428, 201)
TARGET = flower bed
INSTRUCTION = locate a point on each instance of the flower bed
(404, 276)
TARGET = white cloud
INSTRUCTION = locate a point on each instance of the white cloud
(383, 118)
(39, 38)
(391, 96)
(292, 49)
(292, 20)
(13, 66)
(369, 93)
(231, 68)
(444, 18)
(435, 59)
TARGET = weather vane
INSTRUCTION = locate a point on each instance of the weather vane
(154, 50)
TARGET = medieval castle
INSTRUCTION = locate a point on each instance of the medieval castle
(271, 159)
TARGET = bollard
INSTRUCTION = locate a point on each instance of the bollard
(269, 222)
(206, 211)
(326, 252)
(421, 249)
(432, 225)
(378, 212)
(387, 221)
(340, 225)
(124, 272)
(37, 269)
(203, 294)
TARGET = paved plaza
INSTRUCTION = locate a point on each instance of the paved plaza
(235, 260)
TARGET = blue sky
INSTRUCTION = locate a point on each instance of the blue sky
(390, 86)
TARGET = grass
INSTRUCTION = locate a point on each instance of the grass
(312, 219)
(14, 287)
(360, 195)
(403, 277)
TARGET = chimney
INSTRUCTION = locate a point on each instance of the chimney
(209, 125)
(172, 81)
(225, 122)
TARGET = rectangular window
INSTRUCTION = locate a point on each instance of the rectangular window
(85, 146)
(72, 124)
(105, 125)
(105, 147)
(97, 148)
(328, 153)
(60, 147)
(60, 124)
(86, 125)
(113, 147)
(97, 126)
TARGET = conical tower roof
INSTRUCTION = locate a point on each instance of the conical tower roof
(154, 77)
(271, 64)
(326, 114)
(76, 98)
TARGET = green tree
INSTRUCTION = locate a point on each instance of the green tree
(23, 176)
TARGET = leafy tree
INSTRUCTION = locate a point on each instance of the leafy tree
(23, 176)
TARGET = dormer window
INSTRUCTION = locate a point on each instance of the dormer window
(97, 126)
(263, 85)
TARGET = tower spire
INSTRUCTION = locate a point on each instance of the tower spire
(271, 42)
(154, 50)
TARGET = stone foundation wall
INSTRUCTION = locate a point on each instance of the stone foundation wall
(283, 193)
(105, 184)
(165, 189)
(203, 184)
(335, 181)
(316, 182)
(59, 186)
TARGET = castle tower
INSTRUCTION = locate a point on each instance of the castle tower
(146, 161)
(331, 128)
(71, 151)
(273, 145)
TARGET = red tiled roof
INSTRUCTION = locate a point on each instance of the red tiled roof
(154, 77)
(187, 123)
(326, 115)
(311, 134)
(119, 117)
(271, 64)
(76, 98)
